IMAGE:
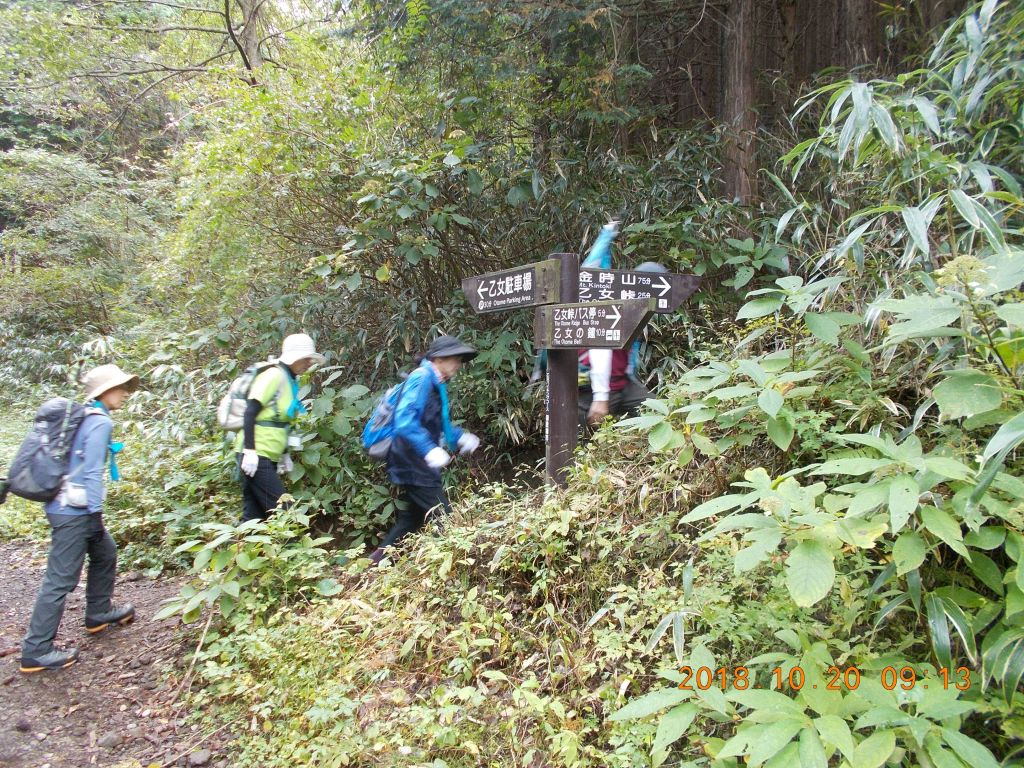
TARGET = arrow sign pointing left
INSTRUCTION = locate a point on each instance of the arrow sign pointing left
(513, 288)
(607, 324)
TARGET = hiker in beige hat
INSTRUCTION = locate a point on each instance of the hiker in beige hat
(272, 408)
(77, 531)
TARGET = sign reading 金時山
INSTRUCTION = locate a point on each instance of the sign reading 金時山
(668, 289)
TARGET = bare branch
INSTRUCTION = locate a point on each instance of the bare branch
(192, 8)
(148, 30)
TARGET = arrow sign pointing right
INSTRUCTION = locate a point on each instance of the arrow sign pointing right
(615, 315)
(665, 285)
(606, 324)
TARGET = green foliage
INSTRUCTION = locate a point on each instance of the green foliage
(244, 573)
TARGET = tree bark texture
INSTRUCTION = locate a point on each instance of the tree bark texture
(739, 165)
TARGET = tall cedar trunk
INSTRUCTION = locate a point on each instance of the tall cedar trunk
(739, 168)
(859, 33)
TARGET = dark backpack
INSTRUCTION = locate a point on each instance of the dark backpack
(41, 463)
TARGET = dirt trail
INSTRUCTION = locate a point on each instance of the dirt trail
(111, 708)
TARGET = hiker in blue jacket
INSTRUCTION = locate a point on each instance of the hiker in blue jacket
(76, 522)
(421, 424)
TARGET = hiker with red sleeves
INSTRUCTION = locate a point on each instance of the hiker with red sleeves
(608, 384)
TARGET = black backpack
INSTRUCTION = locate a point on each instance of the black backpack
(41, 463)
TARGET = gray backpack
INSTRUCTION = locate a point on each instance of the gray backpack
(41, 463)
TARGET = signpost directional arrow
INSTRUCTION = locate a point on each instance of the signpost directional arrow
(616, 317)
(591, 325)
(669, 288)
(526, 286)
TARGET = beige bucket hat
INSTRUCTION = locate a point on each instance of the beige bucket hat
(298, 346)
(104, 378)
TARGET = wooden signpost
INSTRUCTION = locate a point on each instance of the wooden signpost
(616, 305)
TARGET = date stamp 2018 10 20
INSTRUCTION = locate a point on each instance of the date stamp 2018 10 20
(835, 679)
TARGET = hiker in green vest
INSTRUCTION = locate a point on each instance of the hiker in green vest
(272, 408)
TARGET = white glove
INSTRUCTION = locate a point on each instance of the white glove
(468, 443)
(437, 457)
(285, 464)
(250, 461)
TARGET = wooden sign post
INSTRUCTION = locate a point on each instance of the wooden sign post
(562, 393)
(617, 305)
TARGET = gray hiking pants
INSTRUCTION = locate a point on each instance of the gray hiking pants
(72, 538)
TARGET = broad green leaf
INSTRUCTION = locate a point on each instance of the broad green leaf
(825, 328)
(917, 226)
(328, 587)
(759, 308)
(836, 733)
(854, 466)
(661, 436)
(868, 499)
(763, 699)
(875, 750)
(908, 552)
(770, 401)
(928, 113)
(939, 630)
(986, 570)
(965, 206)
(673, 725)
(810, 572)
(781, 432)
(714, 506)
(1012, 313)
(903, 496)
(649, 703)
(965, 393)
(812, 753)
(940, 523)
(947, 467)
(759, 551)
(768, 739)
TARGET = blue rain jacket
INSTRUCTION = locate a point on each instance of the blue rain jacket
(419, 428)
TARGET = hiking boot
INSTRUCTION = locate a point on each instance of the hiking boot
(119, 614)
(52, 660)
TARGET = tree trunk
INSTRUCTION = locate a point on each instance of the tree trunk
(739, 167)
(859, 33)
(245, 33)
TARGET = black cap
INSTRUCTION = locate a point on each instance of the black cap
(450, 346)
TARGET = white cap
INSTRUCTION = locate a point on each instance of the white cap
(104, 378)
(298, 346)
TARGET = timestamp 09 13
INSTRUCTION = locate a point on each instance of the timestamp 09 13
(835, 678)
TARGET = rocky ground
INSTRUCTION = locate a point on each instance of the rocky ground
(119, 706)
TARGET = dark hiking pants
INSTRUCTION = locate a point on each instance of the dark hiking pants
(622, 402)
(262, 491)
(73, 537)
(417, 502)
